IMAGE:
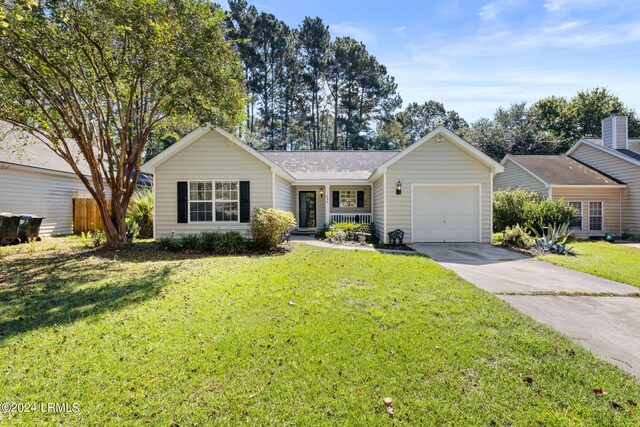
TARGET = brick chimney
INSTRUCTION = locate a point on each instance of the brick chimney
(615, 131)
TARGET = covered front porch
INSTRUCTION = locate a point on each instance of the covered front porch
(317, 205)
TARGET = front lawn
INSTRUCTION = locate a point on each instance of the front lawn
(615, 262)
(312, 337)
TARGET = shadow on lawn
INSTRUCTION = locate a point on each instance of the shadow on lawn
(54, 289)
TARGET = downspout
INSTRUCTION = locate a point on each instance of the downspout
(384, 204)
(155, 197)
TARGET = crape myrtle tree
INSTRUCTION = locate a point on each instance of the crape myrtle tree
(92, 79)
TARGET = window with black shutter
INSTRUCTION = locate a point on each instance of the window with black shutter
(183, 202)
(245, 201)
(336, 199)
(360, 201)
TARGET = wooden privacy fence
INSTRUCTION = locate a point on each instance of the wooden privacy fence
(86, 215)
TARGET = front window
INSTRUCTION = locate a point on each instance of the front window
(576, 223)
(227, 201)
(595, 216)
(348, 198)
(200, 201)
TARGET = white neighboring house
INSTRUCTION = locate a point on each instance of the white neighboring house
(34, 180)
(437, 190)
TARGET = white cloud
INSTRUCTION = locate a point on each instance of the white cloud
(401, 31)
(351, 29)
(491, 10)
(567, 5)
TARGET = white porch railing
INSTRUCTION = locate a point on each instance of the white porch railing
(365, 218)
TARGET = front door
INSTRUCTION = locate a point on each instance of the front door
(307, 210)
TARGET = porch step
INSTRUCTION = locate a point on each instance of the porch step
(303, 233)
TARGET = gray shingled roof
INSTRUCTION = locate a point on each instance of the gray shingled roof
(563, 170)
(329, 164)
(21, 148)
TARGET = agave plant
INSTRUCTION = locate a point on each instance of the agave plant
(554, 239)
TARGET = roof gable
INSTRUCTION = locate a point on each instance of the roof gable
(628, 155)
(151, 165)
(451, 137)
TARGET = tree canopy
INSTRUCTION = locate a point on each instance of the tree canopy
(305, 90)
(93, 79)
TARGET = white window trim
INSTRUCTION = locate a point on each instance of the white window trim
(355, 199)
(213, 213)
(581, 215)
(213, 201)
(601, 213)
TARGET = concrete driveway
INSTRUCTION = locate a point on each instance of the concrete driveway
(595, 312)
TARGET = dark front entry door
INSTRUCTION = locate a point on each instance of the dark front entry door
(307, 209)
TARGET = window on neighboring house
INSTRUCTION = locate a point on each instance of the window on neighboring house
(348, 198)
(227, 201)
(200, 201)
(595, 216)
(576, 223)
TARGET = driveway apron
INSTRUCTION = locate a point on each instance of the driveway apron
(600, 314)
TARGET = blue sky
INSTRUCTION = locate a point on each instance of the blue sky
(475, 56)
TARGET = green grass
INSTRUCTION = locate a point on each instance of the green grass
(312, 337)
(615, 262)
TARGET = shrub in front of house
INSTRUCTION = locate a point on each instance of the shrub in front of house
(517, 236)
(540, 213)
(229, 243)
(508, 207)
(348, 231)
(528, 209)
(267, 226)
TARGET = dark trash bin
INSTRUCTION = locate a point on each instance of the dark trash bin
(9, 224)
(29, 227)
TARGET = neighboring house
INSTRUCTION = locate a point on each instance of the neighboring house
(34, 180)
(600, 177)
(437, 190)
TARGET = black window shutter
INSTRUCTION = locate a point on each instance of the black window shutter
(183, 202)
(336, 199)
(245, 203)
(360, 199)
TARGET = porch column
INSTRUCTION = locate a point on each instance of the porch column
(327, 205)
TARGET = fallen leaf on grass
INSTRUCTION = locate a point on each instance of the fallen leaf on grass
(527, 380)
(599, 390)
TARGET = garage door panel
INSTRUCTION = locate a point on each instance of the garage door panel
(446, 213)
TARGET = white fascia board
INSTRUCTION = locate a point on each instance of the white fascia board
(184, 142)
(331, 182)
(588, 186)
(461, 143)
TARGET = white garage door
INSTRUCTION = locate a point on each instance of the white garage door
(446, 213)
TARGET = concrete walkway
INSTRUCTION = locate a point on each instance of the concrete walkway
(608, 325)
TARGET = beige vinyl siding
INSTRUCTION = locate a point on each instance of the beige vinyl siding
(284, 195)
(210, 158)
(515, 176)
(435, 163)
(33, 191)
(321, 202)
(623, 170)
(610, 198)
(367, 199)
(378, 206)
